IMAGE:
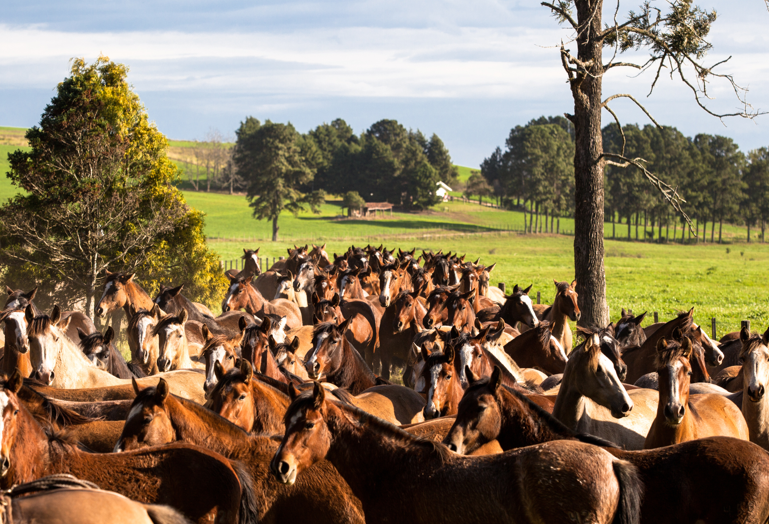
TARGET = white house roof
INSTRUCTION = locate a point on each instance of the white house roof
(444, 186)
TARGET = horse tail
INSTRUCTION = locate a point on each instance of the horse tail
(165, 515)
(249, 511)
(630, 493)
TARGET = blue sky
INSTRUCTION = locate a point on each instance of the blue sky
(468, 71)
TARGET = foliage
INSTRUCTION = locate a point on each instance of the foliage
(352, 200)
(477, 185)
(99, 193)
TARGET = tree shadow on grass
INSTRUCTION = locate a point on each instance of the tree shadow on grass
(403, 224)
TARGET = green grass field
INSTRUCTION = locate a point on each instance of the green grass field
(465, 172)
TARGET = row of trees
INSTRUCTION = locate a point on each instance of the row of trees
(720, 184)
(283, 169)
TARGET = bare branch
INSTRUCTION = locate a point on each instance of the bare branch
(562, 13)
(625, 95)
(619, 126)
(668, 192)
(611, 65)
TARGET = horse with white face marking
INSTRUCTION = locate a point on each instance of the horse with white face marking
(120, 290)
(173, 350)
(519, 308)
(593, 400)
(16, 353)
(755, 370)
(349, 284)
(142, 341)
(221, 350)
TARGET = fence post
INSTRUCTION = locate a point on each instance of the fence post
(502, 287)
(713, 326)
(538, 297)
(745, 324)
(656, 317)
(221, 264)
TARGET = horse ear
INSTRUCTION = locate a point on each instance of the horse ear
(175, 291)
(81, 334)
(496, 379)
(471, 378)
(183, 316)
(425, 352)
(293, 392)
(157, 312)
(246, 369)
(745, 334)
(14, 382)
(318, 395)
(290, 275)
(662, 345)
(242, 324)
(516, 289)
(491, 268)
(691, 313)
(219, 370)
(207, 336)
(56, 314)
(765, 337)
(135, 385)
(677, 334)
(573, 284)
(686, 345)
(289, 250)
(257, 250)
(294, 345)
(623, 312)
(109, 335)
(555, 282)
(8, 290)
(397, 265)
(343, 326)
(637, 320)
(272, 343)
(478, 324)
(526, 291)
(31, 294)
(449, 352)
(161, 392)
(266, 325)
(335, 300)
(454, 333)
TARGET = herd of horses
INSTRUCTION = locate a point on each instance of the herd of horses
(377, 386)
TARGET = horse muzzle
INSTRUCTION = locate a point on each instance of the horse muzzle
(575, 316)
(430, 412)
(297, 286)
(674, 414)
(100, 311)
(283, 471)
(756, 393)
(164, 365)
(225, 308)
(716, 359)
(622, 411)
(5, 465)
(46, 377)
(429, 322)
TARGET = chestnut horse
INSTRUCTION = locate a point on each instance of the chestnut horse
(100, 350)
(157, 417)
(16, 350)
(460, 311)
(437, 313)
(243, 295)
(537, 348)
(683, 473)
(200, 484)
(401, 322)
(592, 399)
(681, 417)
(120, 290)
(564, 308)
(334, 360)
(382, 463)
(141, 340)
(755, 372)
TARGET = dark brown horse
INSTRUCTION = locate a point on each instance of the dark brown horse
(250, 404)
(537, 348)
(243, 295)
(157, 417)
(519, 308)
(197, 482)
(683, 473)
(172, 302)
(628, 330)
(564, 308)
(251, 265)
(100, 350)
(333, 359)
(382, 464)
(401, 322)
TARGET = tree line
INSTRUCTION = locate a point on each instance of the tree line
(283, 169)
(535, 173)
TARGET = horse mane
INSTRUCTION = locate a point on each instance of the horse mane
(363, 419)
(541, 333)
(39, 325)
(91, 340)
(134, 320)
(166, 321)
(672, 352)
(55, 412)
(752, 343)
(588, 331)
(62, 439)
(344, 396)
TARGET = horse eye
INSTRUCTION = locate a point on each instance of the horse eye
(230, 357)
(309, 425)
(15, 412)
(242, 397)
(599, 372)
(147, 419)
(448, 377)
(689, 373)
(741, 360)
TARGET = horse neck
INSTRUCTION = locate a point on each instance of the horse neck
(195, 424)
(136, 295)
(118, 365)
(560, 320)
(12, 357)
(270, 406)
(522, 425)
(365, 456)
(73, 369)
(663, 434)
(757, 417)
(269, 367)
(29, 451)
(354, 374)
(521, 350)
(256, 301)
(570, 404)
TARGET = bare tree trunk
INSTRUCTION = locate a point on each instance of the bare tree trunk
(659, 231)
(713, 230)
(558, 225)
(748, 223)
(629, 234)
(675, 230)
(646, 223)
(613, 226)
(636, 225)
(525, 227)
(275, 229)
(720, 226)
(536, 220)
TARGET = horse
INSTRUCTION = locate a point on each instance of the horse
(100, 350)
(393, 279)
(680, 417)
(461, 313)
(422, 281)
(564, 308)
(141, 340)
(537, 348)
(222, 350)
(289, 361)
(437, 313)
(335, 360)
(348, 282)
(628, 331)
(171, 301)
(401, 322)
(251, 265)
(16, 350)
(158, 417)
(319, 256)
(120, 290)
(491, 413)
(382, 463)
(755, 402)
(173, 348)
(241, 294)
(476, 279)
(440, 383)
(592, 399)
(519, 308)
(202, 485)
(18, 301)
(325, 283)
(250, 404)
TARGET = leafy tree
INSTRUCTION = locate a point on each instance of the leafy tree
(352, 200)
(494, 170)
(755, 204)
(98, 193)
(477, 185)
(676, 39)
(439, 158)
(272, 162)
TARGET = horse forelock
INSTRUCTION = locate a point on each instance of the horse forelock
(94, 339)
(167, 321)
(39, 325)
(670, 354)
(754, 342)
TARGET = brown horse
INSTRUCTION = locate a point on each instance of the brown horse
(349, 283)
(141, 340)
(334, 360)
(392, 280)
(200, 484)
(157, 417)
(251, 265)
(242, 295)
(255, 349)
(683, 473)
(564, 308)
(16, 350)
(461, 312)
(440, 383)
(537, 348)
(173, 348)
(628, 330)
(319, 256)
(383, 463)
(100, 350)
(401, 322)
(592, 399)
(289, 362)
(681, 417)
(519, 308)
(755, 401)
(422, 281)
(437, 313)
(222, 350)
(120, 290)
(250, 404)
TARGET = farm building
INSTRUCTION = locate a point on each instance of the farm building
(443, 191)
(371, 209)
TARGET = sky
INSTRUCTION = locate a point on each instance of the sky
(468, 71)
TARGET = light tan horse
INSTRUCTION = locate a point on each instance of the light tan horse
(755, 372)
(593, 400)
(564, 308)
(173, 347)
(681, 417)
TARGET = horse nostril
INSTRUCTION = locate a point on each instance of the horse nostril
(53, 375)
(625, 407)
(681, 411)
(452, 447)
(284, 467)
